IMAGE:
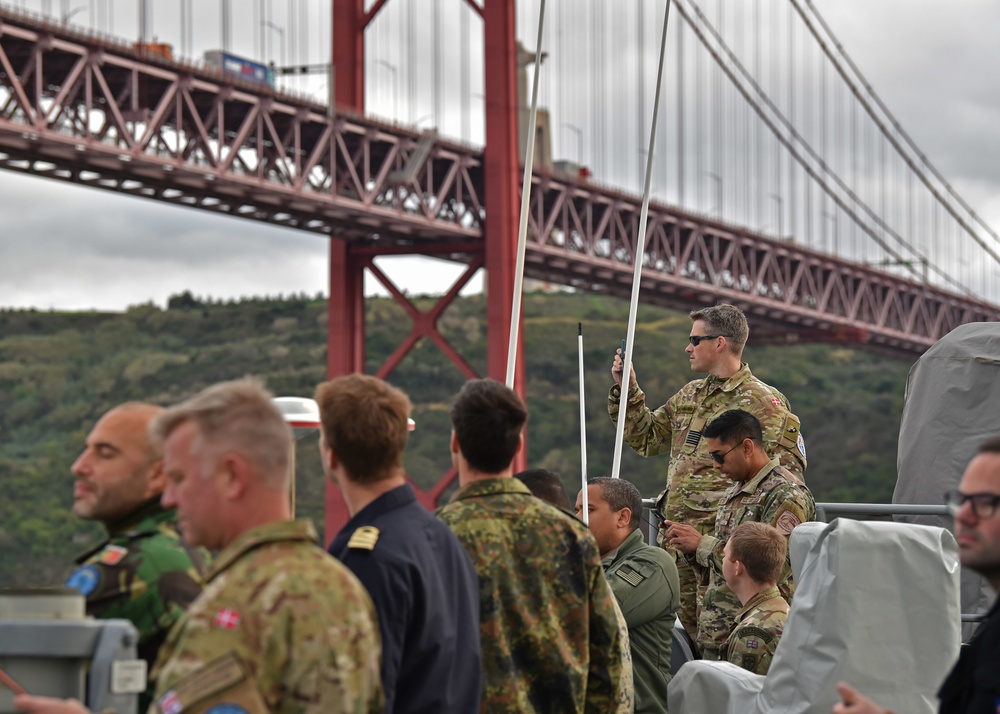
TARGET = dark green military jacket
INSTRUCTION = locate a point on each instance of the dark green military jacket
(644, 581)
(142, 573)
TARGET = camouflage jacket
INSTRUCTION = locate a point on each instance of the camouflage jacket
(625, 696)
(281, 627)
(548, 627)
(772, 496)
(758, 629)
(142, 573)
(694, 483)
(644, 581)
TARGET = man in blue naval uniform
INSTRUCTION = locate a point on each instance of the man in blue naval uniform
(421, 579)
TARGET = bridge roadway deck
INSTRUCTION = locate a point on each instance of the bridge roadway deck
(93, 110)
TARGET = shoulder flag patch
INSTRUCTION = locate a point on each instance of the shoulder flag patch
(364, 538)
(112, 555)
(630, 575)
(227, 618)
(84, 579)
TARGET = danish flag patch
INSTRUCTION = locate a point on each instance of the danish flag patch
(775, 401)
(227, 619)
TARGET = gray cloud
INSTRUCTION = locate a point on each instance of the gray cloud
(70, 247)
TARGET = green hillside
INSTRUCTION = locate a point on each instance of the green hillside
(60, 371)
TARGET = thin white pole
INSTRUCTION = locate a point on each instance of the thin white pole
(583, 431)
(522, 231)
(640, 249)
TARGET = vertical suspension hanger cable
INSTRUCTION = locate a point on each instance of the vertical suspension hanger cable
(640, 249)
(585, 513)
(522, 230)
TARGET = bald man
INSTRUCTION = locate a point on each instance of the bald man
(142, 572)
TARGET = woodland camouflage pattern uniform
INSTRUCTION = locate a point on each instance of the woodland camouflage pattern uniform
(281, 628)
(548, 626)
(625, 697)
(142, 573)
(759, 627)
(694, 482)
(772, 496)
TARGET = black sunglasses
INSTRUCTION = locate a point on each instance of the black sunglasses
(721, 458)
(696, 339)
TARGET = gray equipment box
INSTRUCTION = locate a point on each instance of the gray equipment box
(50, 648)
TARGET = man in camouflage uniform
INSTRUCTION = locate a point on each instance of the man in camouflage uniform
(754, 556)
(281, 627)
(762, 491)
(694, 486)
(547, 622)
(547, 485)
(142, 572)
(644, 581)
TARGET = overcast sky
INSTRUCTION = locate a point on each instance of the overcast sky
(67, 247)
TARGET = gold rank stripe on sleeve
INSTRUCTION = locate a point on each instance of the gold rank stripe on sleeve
(364, 538)
(631, 576)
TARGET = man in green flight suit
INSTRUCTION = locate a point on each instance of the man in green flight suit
(142, 572)
(643, 579)
(694, 485)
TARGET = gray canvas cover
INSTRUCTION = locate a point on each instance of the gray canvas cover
(876, 605)
(952, 398)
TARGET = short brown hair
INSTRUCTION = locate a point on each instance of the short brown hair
(728, 321)
(365, 425)
(237, 416)
(762, 550)
(487, 418)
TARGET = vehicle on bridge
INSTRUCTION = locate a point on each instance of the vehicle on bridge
(239, 67)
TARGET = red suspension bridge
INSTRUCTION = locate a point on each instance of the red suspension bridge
(88, 109)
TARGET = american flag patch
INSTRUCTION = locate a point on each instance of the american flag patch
(630, 576)
(693, 438)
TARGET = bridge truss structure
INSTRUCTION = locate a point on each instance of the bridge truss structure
(94, 111)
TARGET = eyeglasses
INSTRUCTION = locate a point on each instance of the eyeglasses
(984, 505)
(696, 339)
(721, 458)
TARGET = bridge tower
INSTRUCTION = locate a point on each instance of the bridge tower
(497, 252)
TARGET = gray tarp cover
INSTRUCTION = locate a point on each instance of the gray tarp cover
(876, 605)
(952, 398)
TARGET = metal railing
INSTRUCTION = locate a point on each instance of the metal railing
(825, 512)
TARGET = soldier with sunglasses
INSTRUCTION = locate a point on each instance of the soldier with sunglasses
(760, 490)
(694, 484)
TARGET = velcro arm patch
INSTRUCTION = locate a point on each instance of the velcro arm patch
(630, 575)
(788, 518)
(790, 431)
(223, 678)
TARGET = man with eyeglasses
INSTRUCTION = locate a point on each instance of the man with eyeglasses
(694, 486)
(973, 685)
(761, 490)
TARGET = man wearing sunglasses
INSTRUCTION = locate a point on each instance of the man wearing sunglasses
(760, 490)
(694, 485)
(973, 685)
